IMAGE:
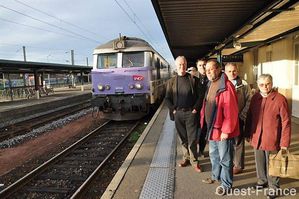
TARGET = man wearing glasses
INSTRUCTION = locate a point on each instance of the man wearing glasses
(268, 128)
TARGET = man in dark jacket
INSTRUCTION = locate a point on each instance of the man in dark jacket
(203, 80)
(184, 101)
(201, 67)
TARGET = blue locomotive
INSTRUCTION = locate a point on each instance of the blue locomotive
(128, 78)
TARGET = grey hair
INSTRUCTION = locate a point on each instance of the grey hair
(232, 64)
(265, 76)
(181, 57)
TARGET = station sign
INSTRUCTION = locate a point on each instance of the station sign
(232, 58)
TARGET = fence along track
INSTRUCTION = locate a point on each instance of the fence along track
(69, 172)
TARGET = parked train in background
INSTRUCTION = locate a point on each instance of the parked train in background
(128, 78)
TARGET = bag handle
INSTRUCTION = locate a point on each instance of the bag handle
(283, 154)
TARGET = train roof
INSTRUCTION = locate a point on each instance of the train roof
(130, 44)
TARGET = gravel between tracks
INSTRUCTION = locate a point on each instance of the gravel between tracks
(18, 160)
(43, 129)
(15, 162)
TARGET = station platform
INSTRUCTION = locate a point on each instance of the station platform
(151, 169)
(19, 110)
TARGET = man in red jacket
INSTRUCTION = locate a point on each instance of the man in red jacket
(220, 113)
(268, 127)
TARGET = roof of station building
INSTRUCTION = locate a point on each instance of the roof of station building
(200, 28)
(22, 66)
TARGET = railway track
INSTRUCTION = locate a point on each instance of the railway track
(23, 127)
(69, 173)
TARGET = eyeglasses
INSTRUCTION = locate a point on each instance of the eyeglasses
(264, 85)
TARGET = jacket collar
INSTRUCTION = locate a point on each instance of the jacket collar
(272, 95)
(222, 85)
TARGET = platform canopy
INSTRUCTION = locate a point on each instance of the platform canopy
(202, 28)
(10, 66)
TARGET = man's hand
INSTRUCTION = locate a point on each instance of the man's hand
(174, 111)
(194, 111)
(223, 136)
(284, 148)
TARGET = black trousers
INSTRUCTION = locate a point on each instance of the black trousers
(202, 133)
(186, 124)
(239, 148)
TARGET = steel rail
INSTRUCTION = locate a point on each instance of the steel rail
(25, 179)
(81, 190)
(18, 128)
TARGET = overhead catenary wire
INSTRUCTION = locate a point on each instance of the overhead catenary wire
(37, 28)
(34, 47)
(57, 18)
(139, 28)
(53, 25)
(140, 21)
(145, 34)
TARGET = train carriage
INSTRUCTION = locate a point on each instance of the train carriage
(128, 77)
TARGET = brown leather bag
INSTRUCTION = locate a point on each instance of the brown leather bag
(284, 164)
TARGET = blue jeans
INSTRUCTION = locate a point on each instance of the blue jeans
(221, 156)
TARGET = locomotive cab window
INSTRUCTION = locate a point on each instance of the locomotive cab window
(106, 61)
(135, 59)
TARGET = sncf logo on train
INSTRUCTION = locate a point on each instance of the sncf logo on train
(138, 77)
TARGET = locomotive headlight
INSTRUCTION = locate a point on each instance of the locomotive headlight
(138, 86)
(100, 87)
(131, 86)
(107, 87)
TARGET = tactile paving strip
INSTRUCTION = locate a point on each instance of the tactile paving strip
(159, 182)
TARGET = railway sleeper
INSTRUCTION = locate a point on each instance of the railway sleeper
(73, 165)
(62, 190)
(82, 159)
(61, 177)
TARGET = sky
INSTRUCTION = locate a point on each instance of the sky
(50, 29)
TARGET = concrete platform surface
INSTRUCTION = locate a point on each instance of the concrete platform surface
(130, 179)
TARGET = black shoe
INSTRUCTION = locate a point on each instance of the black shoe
(271, 196)
(260, 186)
(184, 163)
(221, 191)
(272, 193)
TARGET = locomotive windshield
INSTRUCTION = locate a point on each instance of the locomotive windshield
(106, 61)
(133, 59)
